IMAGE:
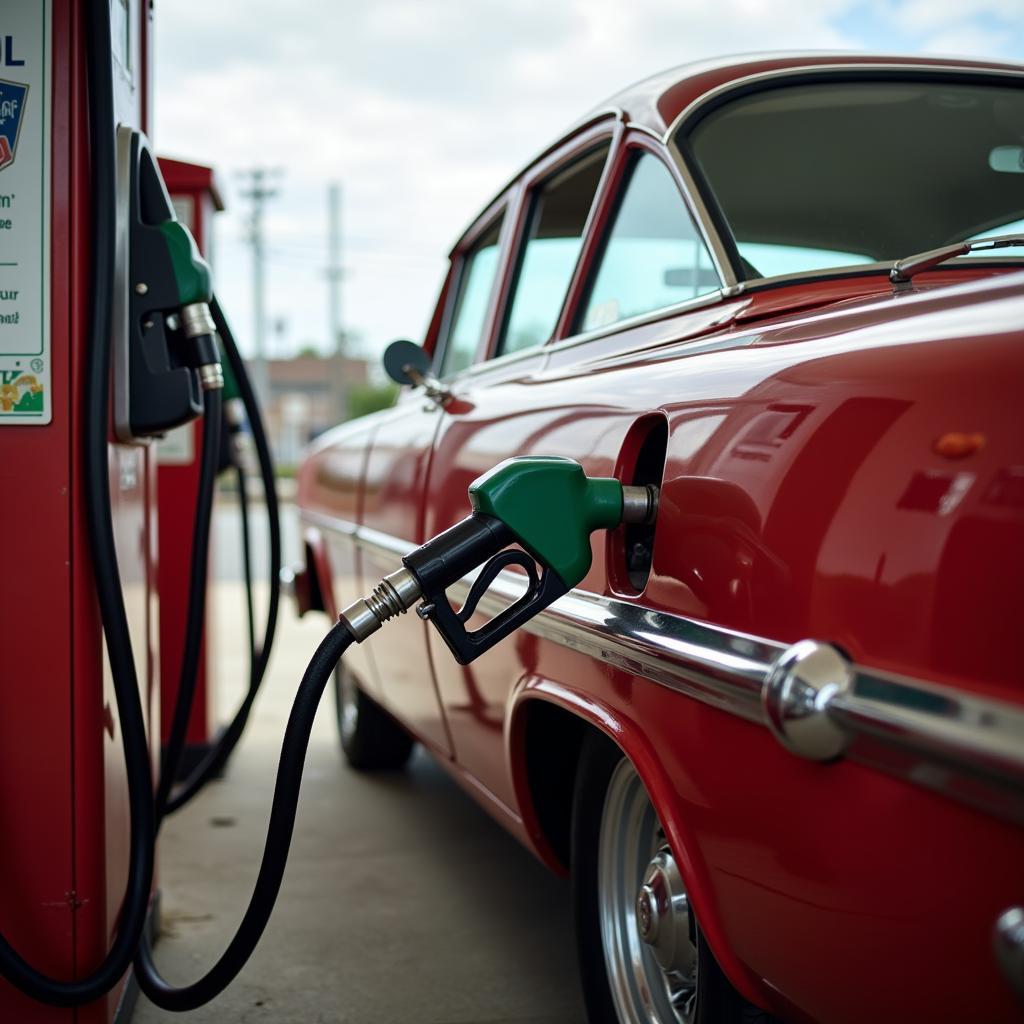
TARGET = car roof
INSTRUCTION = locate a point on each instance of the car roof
(656, 102)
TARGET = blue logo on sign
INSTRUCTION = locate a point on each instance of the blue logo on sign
(12, 103)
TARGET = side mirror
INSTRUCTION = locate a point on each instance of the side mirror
(406, 363)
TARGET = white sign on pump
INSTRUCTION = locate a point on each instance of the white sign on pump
(25, 393)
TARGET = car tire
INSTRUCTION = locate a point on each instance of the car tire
(618, 843)
(371, 739)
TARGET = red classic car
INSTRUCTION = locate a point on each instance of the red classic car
(777, 737)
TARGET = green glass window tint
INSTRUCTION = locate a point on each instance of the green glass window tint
(653, 256)
(558, 215)
(478, 271)
(812, 177)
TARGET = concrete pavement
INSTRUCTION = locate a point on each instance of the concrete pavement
(403, 901)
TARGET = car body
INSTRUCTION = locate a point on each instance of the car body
(841, 465)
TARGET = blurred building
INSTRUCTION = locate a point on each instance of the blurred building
(306, 396)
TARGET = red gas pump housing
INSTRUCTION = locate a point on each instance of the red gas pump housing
(197, 197)
(63, 791)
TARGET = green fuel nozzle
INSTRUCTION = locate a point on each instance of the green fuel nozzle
(530, 512)
(170, 357)
(193, 292)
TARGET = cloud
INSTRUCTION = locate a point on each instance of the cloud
(423, 109)
(961, 39)
(927, 15)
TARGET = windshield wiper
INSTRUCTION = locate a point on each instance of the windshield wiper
(903, 270)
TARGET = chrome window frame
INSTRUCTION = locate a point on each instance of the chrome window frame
(620, 183)
(513, 198)
(501, 208)
(532, 184)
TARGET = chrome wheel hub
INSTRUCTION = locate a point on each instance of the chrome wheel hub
(663, 915)
(646, 931)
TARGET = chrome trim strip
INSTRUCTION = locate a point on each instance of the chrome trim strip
(589, 121)
(328, 522)
(757, 284)
(798, 70)
(470, 374)
(978, 733)
(486, 366)
(636, 126)
(713, 665)
(702, 218)
(708, 299)
(966, 747)
(374, 542)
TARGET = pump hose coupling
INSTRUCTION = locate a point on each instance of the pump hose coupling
(198, 326)
(534, 513)
(394, 595)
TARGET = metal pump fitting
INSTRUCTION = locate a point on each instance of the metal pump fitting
(394, 595)
(639, 503)
(196, 320)
(211, 376)
(198, 326)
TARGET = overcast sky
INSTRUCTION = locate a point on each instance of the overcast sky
(423, 109)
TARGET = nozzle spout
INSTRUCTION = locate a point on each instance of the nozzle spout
(639, 503)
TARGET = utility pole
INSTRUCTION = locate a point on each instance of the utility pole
(334, 270)
(259, 190)
(334, 275)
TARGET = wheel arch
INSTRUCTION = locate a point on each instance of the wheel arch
(545, 713)
(318, 572)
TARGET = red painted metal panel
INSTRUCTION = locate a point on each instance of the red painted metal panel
(842, 464)
(63, 790)
(395, 480)
(805, 494)
(178, 483)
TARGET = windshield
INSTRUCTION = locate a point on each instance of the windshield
(813, 177)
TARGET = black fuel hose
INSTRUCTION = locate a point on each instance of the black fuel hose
(103, 552)
(196, 615)
(275, 851)
(213, 763)
(250, 610)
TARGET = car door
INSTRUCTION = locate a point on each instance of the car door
(515, 407)
(395, 477)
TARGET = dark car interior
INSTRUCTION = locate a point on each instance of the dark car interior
(789, 166)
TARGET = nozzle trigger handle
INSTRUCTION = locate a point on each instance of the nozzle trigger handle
(440, 562)
(487, 577)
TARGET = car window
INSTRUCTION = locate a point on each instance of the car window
(836, 174)
(554, 236)
(653, 256)
(1013, 228)
(770, 260)
(477, 280)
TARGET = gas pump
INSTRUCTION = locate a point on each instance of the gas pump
(128, 349)
(196, 196)
(66, 858)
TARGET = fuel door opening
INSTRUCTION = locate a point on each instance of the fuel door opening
(641, 464)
